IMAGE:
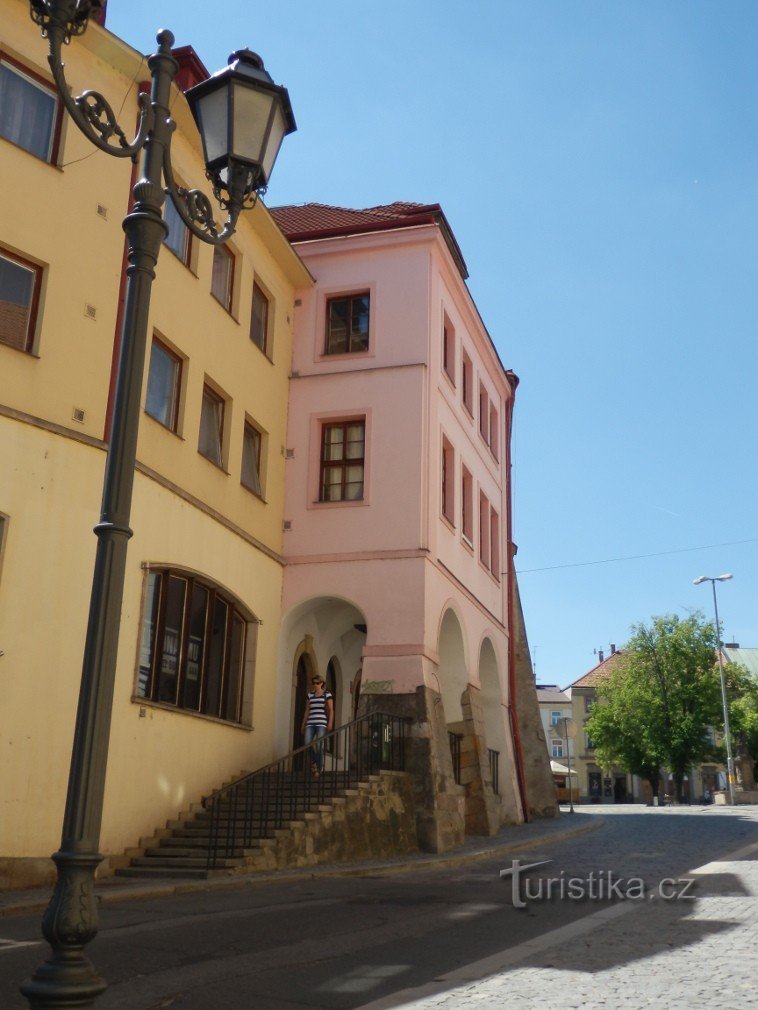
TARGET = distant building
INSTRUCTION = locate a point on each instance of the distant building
(555, 705)
(597, 784)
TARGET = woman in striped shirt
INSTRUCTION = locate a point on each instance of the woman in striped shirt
(318, 720)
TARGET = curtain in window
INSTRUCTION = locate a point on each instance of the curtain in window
(251, 457)
(27, 113)
(16, 295)
(211, 423)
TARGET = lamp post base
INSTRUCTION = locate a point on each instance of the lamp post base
(68, 979)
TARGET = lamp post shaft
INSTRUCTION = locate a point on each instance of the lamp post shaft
(724, 701)
(67, 978)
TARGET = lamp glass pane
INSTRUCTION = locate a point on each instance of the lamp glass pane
(251, 115)
(278, 128)
(213, 117)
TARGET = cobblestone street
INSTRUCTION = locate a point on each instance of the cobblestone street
(667, 954)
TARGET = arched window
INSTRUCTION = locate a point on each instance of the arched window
(197, 648)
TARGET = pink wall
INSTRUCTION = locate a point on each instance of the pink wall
(351, 549)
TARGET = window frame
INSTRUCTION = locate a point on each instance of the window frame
(494, 544)
(556, 748)
(236, 614)
(213, 394)
(186, 256)
(494, 426)
(265, 346)
(227, 301)
(447, 482)
(37, 79)
(467, 383)
(448, 349)
(484, 530)
(467, 505)
(33, 308)
(179, 362)
(484, 413)
(325, 465)
(250, 427)
(349, 298)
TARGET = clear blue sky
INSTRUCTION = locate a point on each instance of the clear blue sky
(598, 162)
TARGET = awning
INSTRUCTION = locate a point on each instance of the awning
(559, 769)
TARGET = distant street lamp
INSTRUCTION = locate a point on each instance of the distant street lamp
(724, 700)
(243, 117)
(567, 726)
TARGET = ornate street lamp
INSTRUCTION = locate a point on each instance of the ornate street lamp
(243, 117)
(724, 699)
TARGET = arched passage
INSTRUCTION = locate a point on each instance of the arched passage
(453, 672)
(331, 632)
(493, 710)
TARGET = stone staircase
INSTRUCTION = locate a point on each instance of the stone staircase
(372, 818)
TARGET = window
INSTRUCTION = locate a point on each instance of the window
(557, 748)
(589, 701)
(251, 458)
(259, 319)
(163, 384)
(28, 111)
(178, 238)
(467, 382)
(484, 530)
(19, 295)
(495, 544)
(222, 280)
(484, 414)
(448, 349)
(342, 461)
(467, 504)
(494, 423)
(554, 717)
(211, 426)
(347, 324)
(193, 647)
(590, 743)
(448, 481)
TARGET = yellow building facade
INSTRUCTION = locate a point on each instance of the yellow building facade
(195, 693)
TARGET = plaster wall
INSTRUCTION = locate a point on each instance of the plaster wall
(160, 759)
(187, 513)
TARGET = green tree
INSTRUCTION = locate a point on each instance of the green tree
(742, 692)
(661, 700)
(622, 725)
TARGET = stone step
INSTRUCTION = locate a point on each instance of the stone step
(184, 862)
(163, 872)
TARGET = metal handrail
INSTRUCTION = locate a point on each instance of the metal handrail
(455, 753)
(255, 806)
(494, 759)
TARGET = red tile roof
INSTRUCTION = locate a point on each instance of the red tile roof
(597, 673)
(307, 221)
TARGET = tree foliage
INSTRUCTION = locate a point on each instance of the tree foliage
(657, 705)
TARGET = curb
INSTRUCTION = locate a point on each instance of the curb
(444, 861)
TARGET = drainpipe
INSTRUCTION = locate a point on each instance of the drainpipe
(511, 602)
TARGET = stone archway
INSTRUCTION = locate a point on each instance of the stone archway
(331, 632)
(453, 668)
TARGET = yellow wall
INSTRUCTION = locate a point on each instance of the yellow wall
(186, 513)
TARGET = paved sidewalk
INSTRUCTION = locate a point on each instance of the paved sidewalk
(510, 838)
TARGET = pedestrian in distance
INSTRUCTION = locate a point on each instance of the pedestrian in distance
(318, 720)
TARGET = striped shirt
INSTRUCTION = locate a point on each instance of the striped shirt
(317, 713)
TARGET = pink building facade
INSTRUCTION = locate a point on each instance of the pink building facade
(398, 585)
